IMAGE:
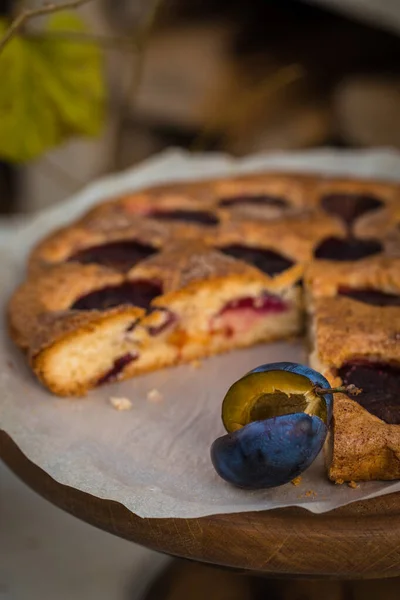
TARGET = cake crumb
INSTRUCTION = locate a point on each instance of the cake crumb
(339, 482)
(120, 403)
(154, 396)
(353, 484)
(196, 364)
(310, 493)
(296, 481)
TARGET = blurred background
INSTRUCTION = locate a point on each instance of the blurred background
(238, 76)
(230, 75)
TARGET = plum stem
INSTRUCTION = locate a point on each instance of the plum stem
(344, 389)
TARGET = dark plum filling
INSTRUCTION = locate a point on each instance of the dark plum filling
(370, 296)
(256, 200)
(186, 216)
(333, 248)
(349, 207)
(380, 384)
(267, 303)
(169, 319)
(117, 368)
(118, 255)
(137, 293)
(268, 261)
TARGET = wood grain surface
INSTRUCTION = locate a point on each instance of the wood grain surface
(183, 579)
(358, 541)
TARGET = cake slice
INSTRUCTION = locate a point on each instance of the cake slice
(83, 325)
(354, 316)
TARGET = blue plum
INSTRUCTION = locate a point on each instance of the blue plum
(269, 453)
(277, 419)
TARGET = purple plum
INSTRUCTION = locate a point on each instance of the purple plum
(277, 418)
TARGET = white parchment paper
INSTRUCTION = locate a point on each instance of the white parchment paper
(154, 458)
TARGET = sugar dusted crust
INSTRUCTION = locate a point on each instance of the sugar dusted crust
(362, 446)
(201, 294)
(380, 272)
(345, 329)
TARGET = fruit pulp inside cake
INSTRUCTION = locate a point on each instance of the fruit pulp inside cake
(168, 318)
(184, 331)
(117, 368)
(370, 296)
(240, 315)
(380, 385)
(240, 321)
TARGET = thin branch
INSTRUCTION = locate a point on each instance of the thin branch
(28, 14)
(135, 76)
(117, 42)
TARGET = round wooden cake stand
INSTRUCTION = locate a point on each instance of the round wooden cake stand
(358, 541)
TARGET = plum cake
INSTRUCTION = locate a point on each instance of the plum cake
(177, 272)
(354, 317)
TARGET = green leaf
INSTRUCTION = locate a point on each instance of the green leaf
(51, 88)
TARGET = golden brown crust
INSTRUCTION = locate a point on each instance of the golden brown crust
(181, 264)
(128, 217)
(50, 292)
(60, 245)
(324, 278)
(346, 329)
(294, 236)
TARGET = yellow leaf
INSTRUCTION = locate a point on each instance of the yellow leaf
(28, 124)
(78, 90)
(51, 87)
